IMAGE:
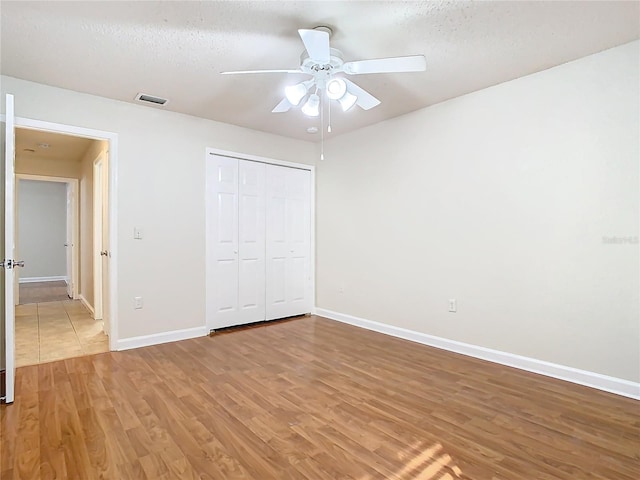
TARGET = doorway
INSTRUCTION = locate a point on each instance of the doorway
(56, 316)
(47, 238)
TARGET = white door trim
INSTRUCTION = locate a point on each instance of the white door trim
(312, 169)
(112, 166)
(75, 234)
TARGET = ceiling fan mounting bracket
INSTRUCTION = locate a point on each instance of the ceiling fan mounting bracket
(324, 28)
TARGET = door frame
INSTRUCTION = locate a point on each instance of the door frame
(74, 183)
(312, 205)
(112, 167)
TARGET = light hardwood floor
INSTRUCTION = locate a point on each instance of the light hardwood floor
(56, 330)
(309, 399)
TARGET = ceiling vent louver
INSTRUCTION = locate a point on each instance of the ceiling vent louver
(143, 97)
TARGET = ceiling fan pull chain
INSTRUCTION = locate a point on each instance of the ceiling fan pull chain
(322, 126)
(329, 126)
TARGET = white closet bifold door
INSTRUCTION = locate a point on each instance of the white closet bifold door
(258, 242)
(288, 235)
(222, 235)
(251, 240)
(235, 236)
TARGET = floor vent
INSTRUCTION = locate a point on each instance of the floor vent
(143, 97)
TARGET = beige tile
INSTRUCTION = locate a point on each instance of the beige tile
(93, 348)
(95, 340)
(57, 341)
(74, 306)
(26, 310)
(88, 328)
(60, 347)
(57, 330)
(60, 354)
(54, 322)
(52, 336)
(26, 320)
(27, 336)
(31, 329)
(27, 357)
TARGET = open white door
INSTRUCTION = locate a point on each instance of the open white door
(8, 263)
(102, 253)
(68, 243)
(106, 248)
(98, 251)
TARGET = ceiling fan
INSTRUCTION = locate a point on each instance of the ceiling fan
(324, 64)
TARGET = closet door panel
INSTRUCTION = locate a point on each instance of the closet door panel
(288, 242)
(222, 238)
(299, 191)
(251, 241)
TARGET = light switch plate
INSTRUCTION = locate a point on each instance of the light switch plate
(453, 307)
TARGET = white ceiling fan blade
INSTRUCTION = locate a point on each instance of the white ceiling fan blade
(316, 42)
(413, 63)
(260, 71)
(365, 100)
(283, 106)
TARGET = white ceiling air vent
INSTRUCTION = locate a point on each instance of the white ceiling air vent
(144, 98)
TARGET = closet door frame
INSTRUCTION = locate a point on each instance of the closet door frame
(312, 201)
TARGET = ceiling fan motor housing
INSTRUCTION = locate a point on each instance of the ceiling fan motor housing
(321, 72)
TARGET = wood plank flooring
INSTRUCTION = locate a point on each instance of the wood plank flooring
(309, 399)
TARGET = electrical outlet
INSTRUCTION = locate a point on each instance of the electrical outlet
(137, 303)
(453, 305)
(137, 233)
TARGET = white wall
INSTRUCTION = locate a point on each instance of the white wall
(499, 199)
(160, 188)
(42, 223)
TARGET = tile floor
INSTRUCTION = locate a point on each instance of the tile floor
(56, 330)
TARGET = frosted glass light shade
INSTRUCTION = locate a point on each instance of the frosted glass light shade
(295, 93)
(347, 101)
(312, 107)
(336, 88)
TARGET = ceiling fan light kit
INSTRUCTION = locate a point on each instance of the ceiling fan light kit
(336, 88)
(347, 101)
(295, 93)
(323, 63)
(311, 108)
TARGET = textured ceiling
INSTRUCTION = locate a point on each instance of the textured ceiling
(177, 49)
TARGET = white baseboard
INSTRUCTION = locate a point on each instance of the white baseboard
(86, 304)
(42, 279)
(158, 338)
(615, 385)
